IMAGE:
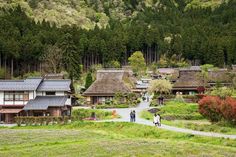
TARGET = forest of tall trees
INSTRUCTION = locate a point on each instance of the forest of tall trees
(200, 35)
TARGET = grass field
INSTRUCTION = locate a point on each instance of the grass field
(185, 115)
(89, 139)
(86, 113)
(180, 110)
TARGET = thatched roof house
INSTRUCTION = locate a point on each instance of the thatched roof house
(107, 84)
(190, 79)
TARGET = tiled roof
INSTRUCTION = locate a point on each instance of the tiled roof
(54, 85)
(20, 85)
(43, 102)
(32, 84)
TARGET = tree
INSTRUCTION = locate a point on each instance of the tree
(160, 86)
(137, 63)
(53, 58)
(222, 92)
(71, 57)
(153, 67)
(2, 73)
(204, 73)
(89, 80)
(113, 64)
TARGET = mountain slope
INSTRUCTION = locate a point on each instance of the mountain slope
(88, 13)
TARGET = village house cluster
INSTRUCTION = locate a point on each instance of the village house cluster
(51, 96)
(185, 80)
(34, 97)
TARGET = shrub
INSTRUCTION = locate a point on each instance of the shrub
(209, 107)
(222, 92)
(18, 121)
(214, 108)
(80, 114)
(42, 120)
(228, 110)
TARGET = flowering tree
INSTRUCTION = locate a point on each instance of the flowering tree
(160, 86)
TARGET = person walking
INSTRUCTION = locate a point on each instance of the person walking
(156, 120)
(131, 116)
(159, 119)
(134, 116)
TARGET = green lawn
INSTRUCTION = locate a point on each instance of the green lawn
(203, 125)
(180, 110)
(89, 139)
(185, 115)
(86, 113)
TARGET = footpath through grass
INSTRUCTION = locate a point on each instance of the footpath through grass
(186, 115)
(88, 139)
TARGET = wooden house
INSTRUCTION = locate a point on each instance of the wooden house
(34, 97)
(107, 84)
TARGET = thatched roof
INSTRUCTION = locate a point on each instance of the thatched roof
(108, 83)
(188, 79)
(220, 75)
(191, 79)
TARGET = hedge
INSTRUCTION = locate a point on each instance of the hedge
(41, 120)
(81, 114)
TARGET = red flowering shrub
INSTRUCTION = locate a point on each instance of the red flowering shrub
(228, 109)
(214, 108)
(210, 107)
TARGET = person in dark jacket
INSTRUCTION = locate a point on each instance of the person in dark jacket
(131, 116)
(134, 116)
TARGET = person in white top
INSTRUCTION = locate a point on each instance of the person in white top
(157, 119)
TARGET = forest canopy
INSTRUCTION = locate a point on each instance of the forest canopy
(198, 32)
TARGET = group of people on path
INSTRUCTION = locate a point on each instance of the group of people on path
(156, 118)
(132, 116)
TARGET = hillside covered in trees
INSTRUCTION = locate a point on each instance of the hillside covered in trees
(55, 35)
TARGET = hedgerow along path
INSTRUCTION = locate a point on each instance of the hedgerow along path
(125, 112)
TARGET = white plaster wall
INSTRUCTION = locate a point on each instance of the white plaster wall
(9, 103)
(32, 95)
(1, 98)
(39, 93)
(20, 102)
(60, 93)
(68, 101)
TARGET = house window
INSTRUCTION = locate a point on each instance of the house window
(16, 96)
(50, 93)
(19, 96)
(26, 96)
(8, 96)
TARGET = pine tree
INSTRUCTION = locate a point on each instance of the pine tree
(71, 57)
(89, 80)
